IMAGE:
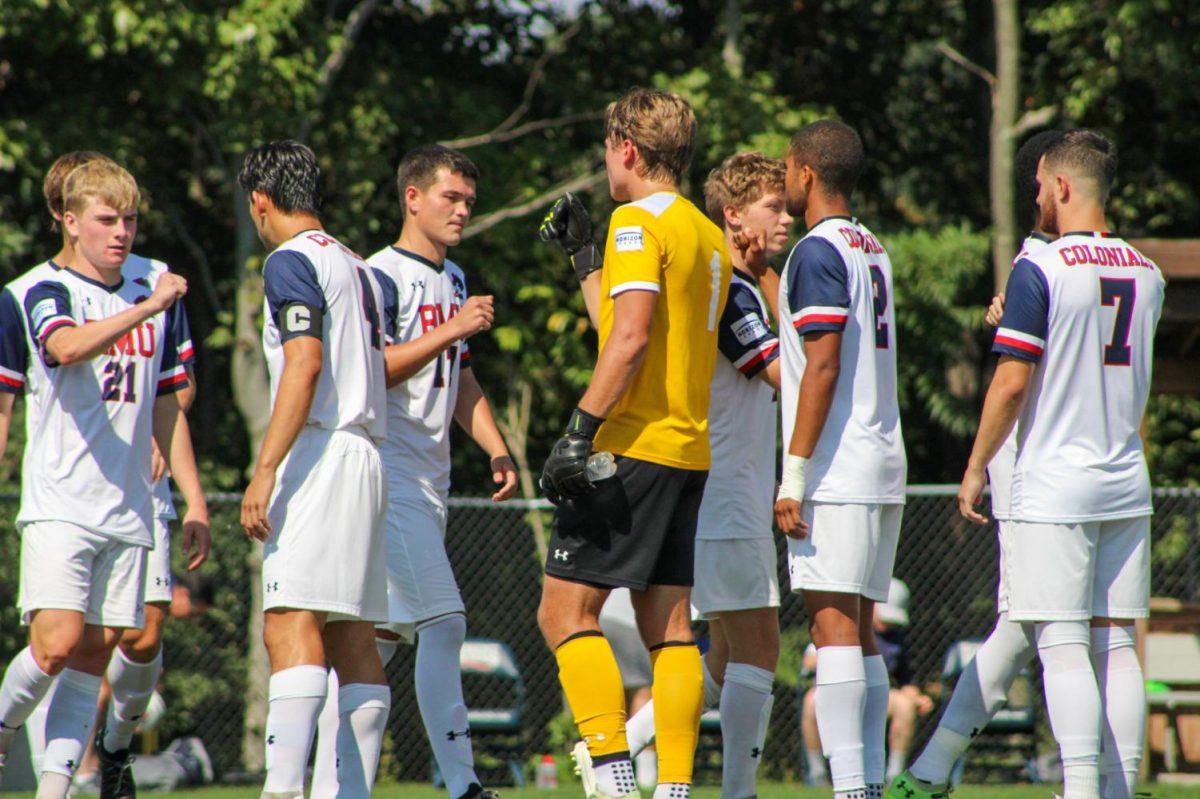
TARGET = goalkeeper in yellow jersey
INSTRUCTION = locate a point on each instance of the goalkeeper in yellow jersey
(656, 303)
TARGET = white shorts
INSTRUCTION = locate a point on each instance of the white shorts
(849, 549)
(325, 552)
(67, 567)
(420, 582)
(734, 574)
(1072, 572)
(158, 564)
(1001, 581)
(619, 624)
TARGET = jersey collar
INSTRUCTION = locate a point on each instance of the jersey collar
(1044, 238)
(825, 219)
(744, 275)
(1092, 234)
(439, 268)
(113, 289)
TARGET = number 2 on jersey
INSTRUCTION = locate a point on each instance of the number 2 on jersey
(1121, 292)
(880, 292)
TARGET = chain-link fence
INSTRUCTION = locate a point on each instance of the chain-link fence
(948, 564)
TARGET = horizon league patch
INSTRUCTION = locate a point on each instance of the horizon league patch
(43, 309)
(629, 239)
(749, 329)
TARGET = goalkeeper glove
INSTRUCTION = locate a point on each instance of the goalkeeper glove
(565, 474)
(568, 225)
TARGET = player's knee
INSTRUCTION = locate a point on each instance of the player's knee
(902, 708)
(53, 654)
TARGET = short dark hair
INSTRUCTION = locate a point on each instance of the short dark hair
(1087, 153)
(1025, 166)
(287, 172)
(833, 150)
(418, 167)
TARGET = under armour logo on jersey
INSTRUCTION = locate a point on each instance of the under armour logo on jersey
(561, 554)
(272, 587)
(454, 735)
(417, 284)
(270, 740)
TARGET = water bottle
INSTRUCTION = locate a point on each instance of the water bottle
(546, 776)
(601, 466)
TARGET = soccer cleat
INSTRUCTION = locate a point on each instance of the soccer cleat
(116, 772)
(587, 775)
(906, 786)
(477, 791)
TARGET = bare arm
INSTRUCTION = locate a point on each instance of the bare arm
(768, 283)
(590, 288)
(173, 436)
(6, 408)
(619, 361)
(473, 413)
(75, 343)
(406, 359)
(1001, 407)
(770, 374)
(293, 402)
(186, 396)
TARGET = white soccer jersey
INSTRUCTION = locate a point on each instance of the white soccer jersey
(838, 277)
(1084, 309)
(420, 409)
(741, 421)
(313, 276)
(89, 425)
(1000, 470)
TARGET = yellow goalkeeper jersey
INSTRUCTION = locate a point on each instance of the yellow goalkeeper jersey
(663, 243)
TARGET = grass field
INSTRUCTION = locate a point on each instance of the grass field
(770, 790)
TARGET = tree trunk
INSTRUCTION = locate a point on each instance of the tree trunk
(514, 424)
(252, 394)
(731, 52)
(1005, 98)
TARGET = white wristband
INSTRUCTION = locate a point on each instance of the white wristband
(792, 485)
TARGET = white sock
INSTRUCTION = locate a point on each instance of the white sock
(745, 711)
(132, 686)
(1072, 703)
(646, 765)
(639, 728)
(981, 690)
(69, 721)
(24, 686)
(896, 761)
(818, 770)
(874, 724)
(440, 699)
(53, 786)
(615, 777)
(1123, 690)
(672, 790)
(841, 693)
(325, 761)
(363, 720)
(294, 696)
(35, 730)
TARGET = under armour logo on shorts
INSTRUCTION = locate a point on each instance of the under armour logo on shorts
(454, 735)
(561, 554)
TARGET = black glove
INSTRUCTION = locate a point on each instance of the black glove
(565, 474)
(567, 224)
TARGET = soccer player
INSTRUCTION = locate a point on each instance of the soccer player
(736, 588)
(136, 664)
(842, 492)
(98, 360)
(661, 291)
(1076, 345)
(317, 497)
(982, 688)
(431, 384)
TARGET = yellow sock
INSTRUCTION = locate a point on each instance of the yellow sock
(591, 680)
(678, 699)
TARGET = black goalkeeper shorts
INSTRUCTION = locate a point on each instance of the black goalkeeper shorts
(633, 530)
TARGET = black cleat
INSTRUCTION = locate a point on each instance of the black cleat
(477, 791)
(116, 774)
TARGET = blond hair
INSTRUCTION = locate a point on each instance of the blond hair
(741, 180)
(56, 175)
(661, 124)
(102, 180)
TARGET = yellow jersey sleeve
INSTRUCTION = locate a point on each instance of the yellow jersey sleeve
(634, 254)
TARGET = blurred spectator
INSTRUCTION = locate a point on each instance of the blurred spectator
(906, 701)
